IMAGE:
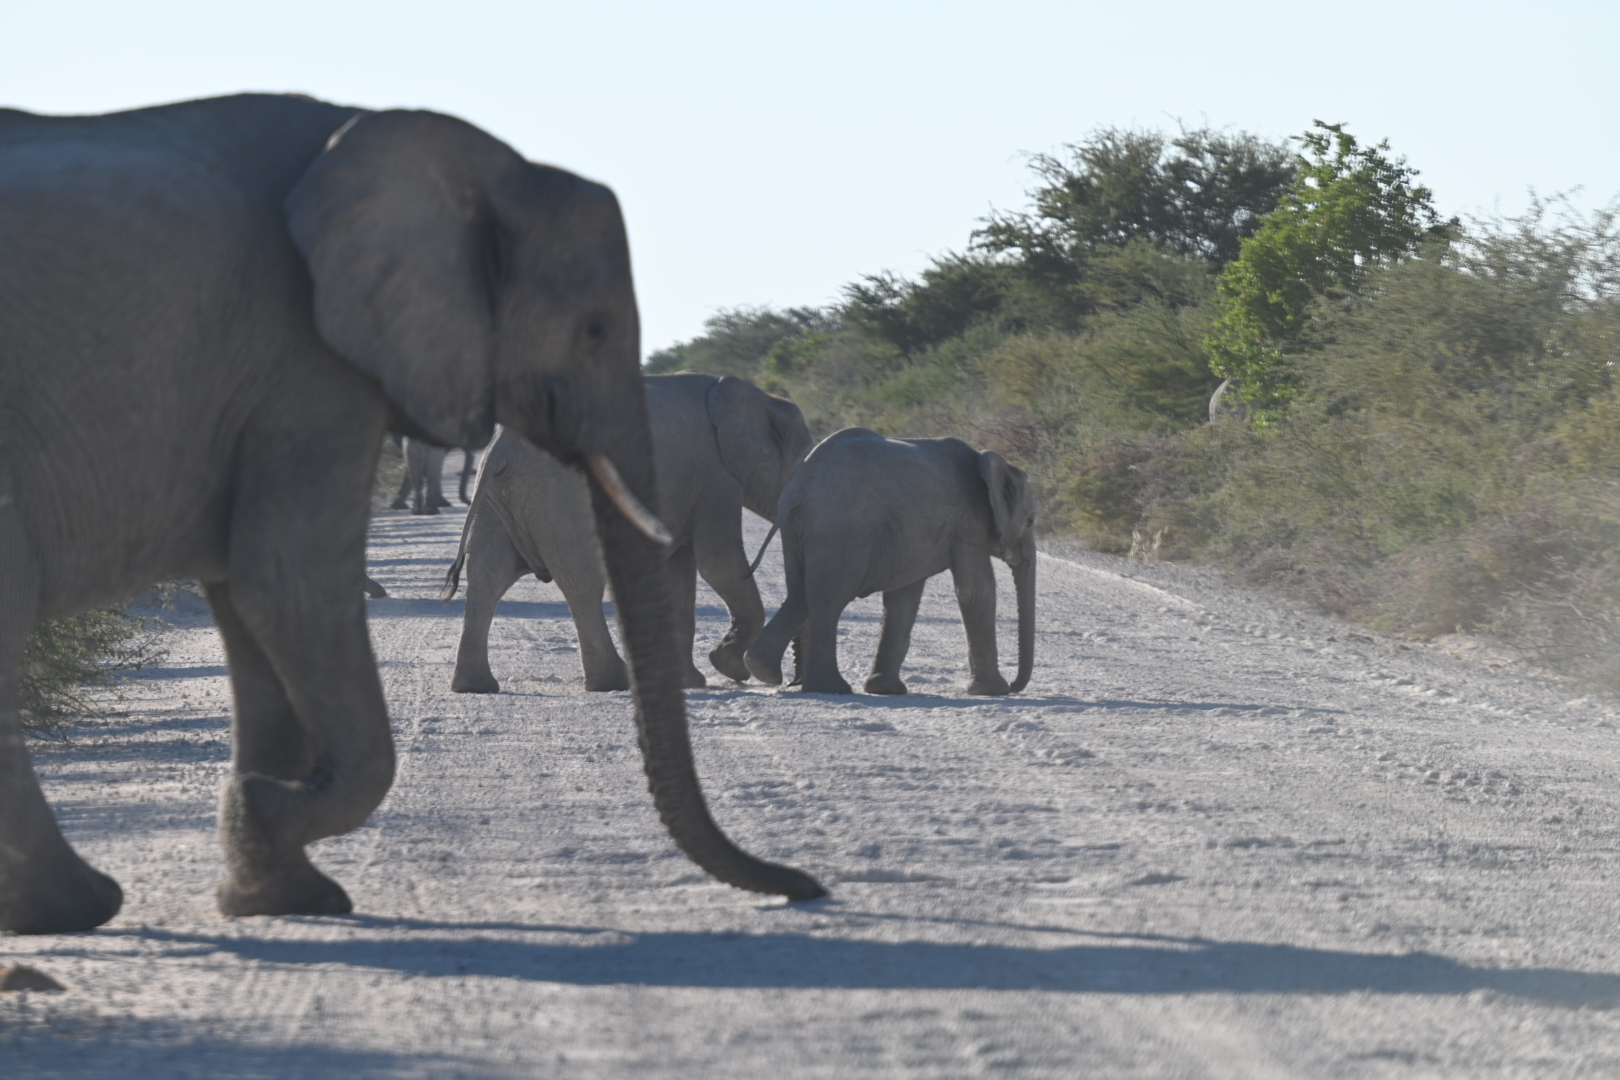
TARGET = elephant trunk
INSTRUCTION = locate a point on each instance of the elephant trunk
(1024, 583)
(645, 604)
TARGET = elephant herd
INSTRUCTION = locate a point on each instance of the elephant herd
(210, 315)
(862, 514)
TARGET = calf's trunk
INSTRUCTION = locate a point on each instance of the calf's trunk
(1024, 583)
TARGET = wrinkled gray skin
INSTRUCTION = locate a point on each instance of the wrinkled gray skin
(275, 281)
(424, 475)
(868, 514)
(718, 444)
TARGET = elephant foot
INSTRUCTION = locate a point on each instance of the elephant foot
(612, 680)
(728, 661)
(835, 684)
(469, 683)
(75, 898)
(399, 504)
(884, 683)
(426, 510)
(375, 591)
(988, 686)
(694, 680)
(294, 888)
(765, 669)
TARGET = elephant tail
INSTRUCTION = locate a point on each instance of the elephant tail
(761, 556)
(452, 579)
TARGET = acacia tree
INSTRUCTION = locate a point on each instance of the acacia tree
(1102, 220)
(1197, 194)
(1350, 208)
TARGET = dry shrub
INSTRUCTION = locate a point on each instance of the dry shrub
(70, 664)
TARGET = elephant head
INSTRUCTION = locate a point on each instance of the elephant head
(1012, 515)
(478, 287)
(762, 439)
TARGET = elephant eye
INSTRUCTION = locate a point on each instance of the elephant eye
(596, 328)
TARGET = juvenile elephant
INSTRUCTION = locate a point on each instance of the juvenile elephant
(718, 445)
(210, 312)
(867, 514)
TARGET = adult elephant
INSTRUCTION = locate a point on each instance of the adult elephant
(868, 514)
(718, 445)
(276, 281)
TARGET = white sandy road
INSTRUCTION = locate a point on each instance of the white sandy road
(1209, 840)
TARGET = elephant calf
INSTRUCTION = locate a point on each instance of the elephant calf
(867, 514)
(718, 445)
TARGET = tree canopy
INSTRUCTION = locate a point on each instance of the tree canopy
(736, 340)
(1198, 194)
(1103, 223)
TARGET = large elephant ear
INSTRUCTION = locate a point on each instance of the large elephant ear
(1009, 493)
(762, 439)
(393, 219)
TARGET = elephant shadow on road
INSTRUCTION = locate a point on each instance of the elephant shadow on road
(407, 608)
(921, 699)
(1104, 964)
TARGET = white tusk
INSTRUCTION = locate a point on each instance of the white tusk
(628, 504)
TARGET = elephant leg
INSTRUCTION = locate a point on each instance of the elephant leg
(764, 656)
(683, 577)
(725, 568)
(45, 887)
(820, 673)
(435, 479)
(493, 566)
(402, 499)
(899, 615)
(976, 596)
(580, 576)
(312, 756)
(422, 501)
(469, 462)
(436, 485)
(832, 578)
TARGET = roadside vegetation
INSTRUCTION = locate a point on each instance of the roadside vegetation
(1422, 430)
(73, 667)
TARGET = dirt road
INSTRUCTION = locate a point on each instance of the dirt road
(1215, 838)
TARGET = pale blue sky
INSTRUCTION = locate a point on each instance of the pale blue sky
(771, 153)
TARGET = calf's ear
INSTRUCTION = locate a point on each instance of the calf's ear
(1008, 490)
(394, 221)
